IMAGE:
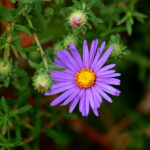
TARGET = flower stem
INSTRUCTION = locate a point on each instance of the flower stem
(37, 42)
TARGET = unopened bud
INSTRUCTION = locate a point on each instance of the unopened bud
(77, 19)
(5, 68)
(42, 82)
(70, 39)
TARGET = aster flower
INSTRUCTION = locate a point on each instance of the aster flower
(84, 81)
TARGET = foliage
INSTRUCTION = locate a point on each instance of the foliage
(31, 32)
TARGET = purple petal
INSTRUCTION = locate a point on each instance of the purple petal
(84, 106)
(105, 68)
(71, 97)
(111, 75)
(109, 89)
(61, 75)
(67, 71)
(47, 93)
(111, 81)
(96, 95)
(93, 49)
(95, 112)
(57, 80)
(71, 60)
(73, 104)
(85, 54)
(58, 63)
(65, 61)
(103, 59)
(99, 74)
(81, 104)
(84, 110)
(76, 55)
(98, 54)
(62, 97)
(62, 84)
(103, 94)
(92, 101)
(87, 104)
(61, 89)
(90, 97)
(75, 101)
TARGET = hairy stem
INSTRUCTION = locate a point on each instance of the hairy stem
(37, 42)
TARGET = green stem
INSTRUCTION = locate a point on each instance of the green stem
(37, 42)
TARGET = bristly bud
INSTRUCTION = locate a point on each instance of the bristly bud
(77, 19)
(5, 68)
(119, 48)
(57, 46)
(70, 39)
(42, 81)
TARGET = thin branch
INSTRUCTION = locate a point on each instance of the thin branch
(37, 42)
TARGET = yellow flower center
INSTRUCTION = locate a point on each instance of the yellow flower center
(85, 78)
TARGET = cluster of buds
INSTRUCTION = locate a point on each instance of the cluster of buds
(77, 19)
(42, 81)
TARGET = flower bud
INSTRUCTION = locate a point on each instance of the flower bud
(42, 82)
(77, 19)
(5, 68)
(70, 39)
(117, 50)
(35, 56)
(57, 46)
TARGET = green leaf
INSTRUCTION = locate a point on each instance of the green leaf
(92, 3)
(20, 111)
(30, 49)
(132, 3)
(22, 28)
(4, 127)
(2, 40)
(5, 14)
(121, 21)
(129, 26)
(38, 16)
(3, 139)
(14, 113)
(4, 105)
(18, 134)
(24, 109)
(33, 64)
(45, 40)
(139, 16)
(55, 68)
(52, 133)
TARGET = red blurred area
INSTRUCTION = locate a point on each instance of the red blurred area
(26, 40)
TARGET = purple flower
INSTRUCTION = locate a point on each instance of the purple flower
(84, 81)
